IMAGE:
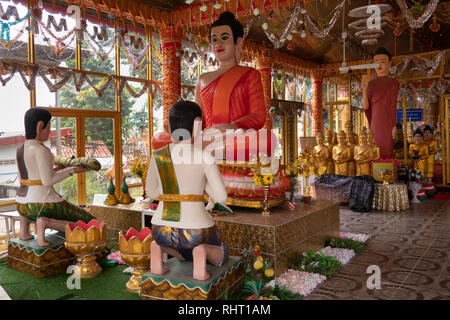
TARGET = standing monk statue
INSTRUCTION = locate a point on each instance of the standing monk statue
(323, 154)
(363, 156)
(36, 198)
(329, 143)
(380, 103)
(342, 154)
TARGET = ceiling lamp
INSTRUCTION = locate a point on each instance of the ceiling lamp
(369, 27)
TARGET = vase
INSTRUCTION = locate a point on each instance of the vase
(415, 188)
(265, 205)
(135, 250)
(85, 241)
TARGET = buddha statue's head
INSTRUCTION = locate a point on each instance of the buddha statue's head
(428, 132)
(383, 58)
(370, 136)
(329, 137)
(362, 138)
(341, 137)
(418, 136)
(226, 34)
(348, 126)
(319, 139)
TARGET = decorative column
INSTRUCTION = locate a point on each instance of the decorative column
(316, 102)
(264, 65)
(170, 38)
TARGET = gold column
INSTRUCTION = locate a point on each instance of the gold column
(117, 124)
(31, 56)
(405, 137)
(264, 64)
(149, 91)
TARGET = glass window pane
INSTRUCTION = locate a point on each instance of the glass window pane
(15, 102)
(100, 145)
(15, 37)
(156, 58)
(158, 121)
(63, 143)
(98, 50)
(133, 54)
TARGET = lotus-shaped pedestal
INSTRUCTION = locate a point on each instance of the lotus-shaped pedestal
(135, 251)
(84, 241)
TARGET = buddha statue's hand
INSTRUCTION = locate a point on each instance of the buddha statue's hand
(225, 126)
(364, 82)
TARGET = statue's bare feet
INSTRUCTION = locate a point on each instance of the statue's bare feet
(161, 269)
(43, 243)
(25, 236)
(201, 275)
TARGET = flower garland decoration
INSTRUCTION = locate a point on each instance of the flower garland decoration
(418, 22)
(291, 171)
(8, 43)
(416, 175)
(6, 28)
(307, 166)
(255, 266)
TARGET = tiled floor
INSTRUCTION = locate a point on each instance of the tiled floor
(411, 248)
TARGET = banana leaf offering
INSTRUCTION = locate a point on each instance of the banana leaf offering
(85, 162)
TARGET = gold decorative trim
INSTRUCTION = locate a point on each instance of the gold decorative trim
(181, 197)
(254, 203)
(24, 182)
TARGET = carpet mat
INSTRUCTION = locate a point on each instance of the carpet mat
(109, 285)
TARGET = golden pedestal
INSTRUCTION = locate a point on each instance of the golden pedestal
(283, 235)
(178, 284)
(28, 256)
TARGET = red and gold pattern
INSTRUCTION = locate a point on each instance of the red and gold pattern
(242, 191)
(170, 45)
(316, 101)
(265, 69)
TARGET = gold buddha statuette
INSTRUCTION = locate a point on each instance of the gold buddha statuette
(363, 156)
(342, 154)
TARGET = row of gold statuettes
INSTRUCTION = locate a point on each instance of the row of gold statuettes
(346, 157)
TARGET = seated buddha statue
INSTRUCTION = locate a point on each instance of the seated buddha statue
(432, 150)
(232, 100)
(342, 154)
(418, 151)
(323, 154)
(363, 156)
(329, 143)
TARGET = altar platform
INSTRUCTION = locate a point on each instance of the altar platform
(284, 235)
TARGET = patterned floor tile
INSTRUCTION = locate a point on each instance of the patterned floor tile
(411, 248)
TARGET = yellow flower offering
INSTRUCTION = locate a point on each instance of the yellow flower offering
(269, 272)
(259, 258)
(258, 264)
(267, 179)
(257, 180)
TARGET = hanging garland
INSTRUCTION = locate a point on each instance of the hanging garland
(8, 43)
(414, 22)
(5, 28)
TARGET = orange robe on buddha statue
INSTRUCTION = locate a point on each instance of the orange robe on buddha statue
(235, 97)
